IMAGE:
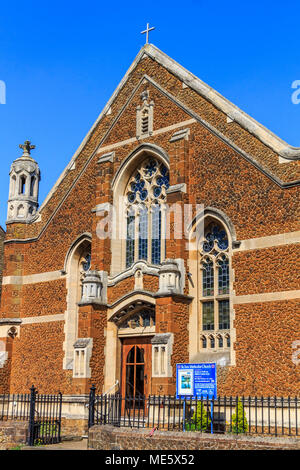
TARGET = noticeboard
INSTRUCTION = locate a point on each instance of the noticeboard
(196, 380)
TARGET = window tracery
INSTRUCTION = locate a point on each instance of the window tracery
(142, 319)
(214, 288)
(145, 197)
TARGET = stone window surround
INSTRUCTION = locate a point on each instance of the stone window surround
(195, 290)
(74, 259)
(146, 107)
(119, 184)
(162, 349)
(215, 298)
(82, 354)
(136, 208)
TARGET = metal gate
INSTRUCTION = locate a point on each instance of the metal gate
(44, 418)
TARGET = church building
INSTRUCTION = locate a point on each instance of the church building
(171, 237)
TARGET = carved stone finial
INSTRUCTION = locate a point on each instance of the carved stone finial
(169, 278)
(27, 147)
(145, 95)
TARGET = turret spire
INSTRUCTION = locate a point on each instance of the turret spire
(24, 187)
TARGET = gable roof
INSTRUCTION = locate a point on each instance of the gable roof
(236, 114)
(285, 152)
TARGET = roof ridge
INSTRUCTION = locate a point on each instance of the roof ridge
(268, 137)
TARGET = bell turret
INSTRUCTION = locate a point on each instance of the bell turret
(24, 187)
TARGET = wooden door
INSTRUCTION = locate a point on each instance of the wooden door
(136, 367)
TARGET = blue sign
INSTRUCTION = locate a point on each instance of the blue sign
(196, 380)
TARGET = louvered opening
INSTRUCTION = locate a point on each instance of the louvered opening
(145, 124)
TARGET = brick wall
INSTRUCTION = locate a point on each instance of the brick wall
(109, 438)
(12, 434)
(2, 237)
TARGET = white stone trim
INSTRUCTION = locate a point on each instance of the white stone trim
(103, 207)
(154, 133)
(43, 319)
(269, 241)
(3, 358)
(33, 278)
(148, 108)
(231, 110)
(266, 297)
(177, 188)
(182, 134)
(140, 297)
(82, 357)
(138, 265)
(162, 344)
(4, 330)
(140, 331)
(107, 157)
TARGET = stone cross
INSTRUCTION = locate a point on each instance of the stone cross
(147, 33)
(27, 147)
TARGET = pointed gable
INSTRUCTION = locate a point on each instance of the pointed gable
(194, 100)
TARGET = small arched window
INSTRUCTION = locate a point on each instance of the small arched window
(22, 184)
(145, 196)
(32, 184)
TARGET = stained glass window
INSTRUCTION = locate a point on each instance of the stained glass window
(224, 319)
(130, 241)
(223, 275)
(156, 235)
(215, 282)
(147, 187)
(215, 236)
(143, 233)
(87, 262)
(144, 318)
(208, 316)
(208, 278)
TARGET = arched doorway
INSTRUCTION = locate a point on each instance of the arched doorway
(136, 367)
(136, 328)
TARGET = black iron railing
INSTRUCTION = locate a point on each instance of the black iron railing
(43, 413)
(236, 415)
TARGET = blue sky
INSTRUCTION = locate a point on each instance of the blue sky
(62, 60)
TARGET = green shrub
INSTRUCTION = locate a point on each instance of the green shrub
(46, 429)
(200, 420)
(239, 423)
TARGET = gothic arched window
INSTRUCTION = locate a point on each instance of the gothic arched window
(145, 196)
(214, 287)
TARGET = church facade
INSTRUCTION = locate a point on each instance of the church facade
(171, 237)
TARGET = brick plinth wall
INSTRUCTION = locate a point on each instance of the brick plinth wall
(110, 438)
(13, 433)
(71, 428)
